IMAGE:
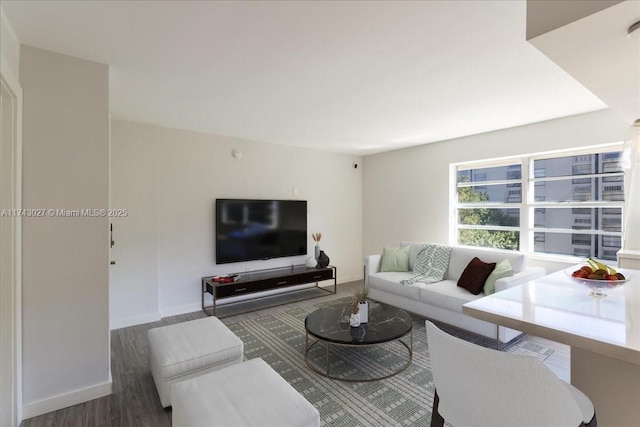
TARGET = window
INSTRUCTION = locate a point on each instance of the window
(490, 215)
(564, 204)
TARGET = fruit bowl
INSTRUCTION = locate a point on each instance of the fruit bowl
(597, 286)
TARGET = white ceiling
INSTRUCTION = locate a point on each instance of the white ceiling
(353, 77)
(598, 52)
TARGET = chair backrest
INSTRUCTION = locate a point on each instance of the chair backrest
(478, 386)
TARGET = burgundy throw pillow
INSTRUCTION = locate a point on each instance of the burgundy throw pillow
(474, 276)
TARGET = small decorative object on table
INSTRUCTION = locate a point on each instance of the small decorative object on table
(323, 260)
(363, 306)
(311, 262)
(354, 319)
(316, 238)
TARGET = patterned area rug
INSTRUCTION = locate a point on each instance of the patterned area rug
(402, 400)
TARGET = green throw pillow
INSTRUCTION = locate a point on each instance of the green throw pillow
(503, 269)
(395, 259)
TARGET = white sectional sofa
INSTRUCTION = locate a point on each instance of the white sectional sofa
(442, 301)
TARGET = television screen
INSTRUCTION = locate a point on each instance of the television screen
(249, 230)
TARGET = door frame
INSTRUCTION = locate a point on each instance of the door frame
(11, 289)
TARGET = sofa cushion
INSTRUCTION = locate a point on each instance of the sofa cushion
(187, 349)
(446, 295)
(216, 399)
(194, 345)
(474, 276)
(461, 255)
(503, 269)
(395, 259)
(390, 282)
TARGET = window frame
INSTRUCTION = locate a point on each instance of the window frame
(528, 205)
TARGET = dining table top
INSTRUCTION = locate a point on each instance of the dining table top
(561, 308)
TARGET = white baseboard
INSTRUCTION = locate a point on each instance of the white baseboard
(65, 400)
(180, 309)
(137, 320)
(347, 279)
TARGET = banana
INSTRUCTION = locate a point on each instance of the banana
(598, 265)
(595, 264)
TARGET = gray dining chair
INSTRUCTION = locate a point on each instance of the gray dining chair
(481, 387)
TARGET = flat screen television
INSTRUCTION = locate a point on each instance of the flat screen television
(248, 230)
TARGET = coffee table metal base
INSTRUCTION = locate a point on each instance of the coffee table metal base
(328, 345)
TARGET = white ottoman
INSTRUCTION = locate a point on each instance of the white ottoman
(185, 350)
(249, 394)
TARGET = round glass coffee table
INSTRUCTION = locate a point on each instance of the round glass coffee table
(330, 325)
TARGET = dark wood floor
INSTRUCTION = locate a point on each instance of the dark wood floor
(135, 402)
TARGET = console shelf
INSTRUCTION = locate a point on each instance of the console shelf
(265, 280)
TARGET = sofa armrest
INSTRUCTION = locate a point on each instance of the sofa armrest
(525, 276)
(371, 265)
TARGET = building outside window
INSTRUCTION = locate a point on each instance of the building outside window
(569, 204)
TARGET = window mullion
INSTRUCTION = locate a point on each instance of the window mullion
(488, 205)
(487, 183)
(525, 236)
(585, 176)
(487, 227)
(594, 232)
(593, 204)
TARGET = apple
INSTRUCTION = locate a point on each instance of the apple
(586, 269)
(579, 274)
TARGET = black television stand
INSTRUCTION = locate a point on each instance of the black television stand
(258, 281)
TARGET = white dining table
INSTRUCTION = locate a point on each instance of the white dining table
(603, 335)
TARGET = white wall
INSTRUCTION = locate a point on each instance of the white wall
(169, 179)
(133, 280)
(9, 48)
(407, 192)
(66, 356)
